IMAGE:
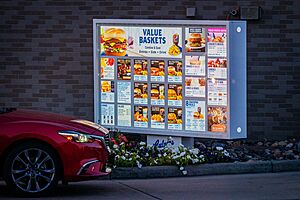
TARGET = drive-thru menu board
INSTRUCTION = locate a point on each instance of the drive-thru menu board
(163, 78)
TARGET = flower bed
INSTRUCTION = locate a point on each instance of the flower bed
(133, 153)
(130, 154)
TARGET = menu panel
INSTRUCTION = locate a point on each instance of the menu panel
(107, 91)
(157, 117)
(166, 78)
(107, 114)
(124, 115)
(216, 41)
(195, 115)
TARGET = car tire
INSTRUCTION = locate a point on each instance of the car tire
(32, 169)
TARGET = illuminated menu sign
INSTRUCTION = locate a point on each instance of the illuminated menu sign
(163, 78)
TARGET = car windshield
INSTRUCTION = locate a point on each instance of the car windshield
(6, 110)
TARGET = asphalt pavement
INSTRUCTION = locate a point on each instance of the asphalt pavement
(272, 186)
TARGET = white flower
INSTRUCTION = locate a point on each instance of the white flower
(201, 156)
(194, 151)
(184, 172)
(181, 168)
(226, 153)
(175, 157)
(219, 148)
(117, 156)
(108, 170)
(182, 154)
(130, 159)
(137, 156)
(126, 154)
(115, 146)
(188, 157)
(142, 143)
(159, 155)
(122, 143)
(177, 163)
(139, 165)
(123, 158)
(181, 145)
(195, 160)
(165, 154)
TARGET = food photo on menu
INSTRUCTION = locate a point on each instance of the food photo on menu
(195, 86)
(175, 94)
(175, 49)
(107, 86)
(157, 70)
(217, 63)
(217, 68)
(175, 118)
(157, 94)
(217, 35)
(174, 71)
(107, 91)
(195, 65)
(107, 68)
(195, 115)
(140, 93)
(140, 70)
(124, 71)
(217, 119)
(141, 116)
(216, 42)
(113, 42)
(194, 40)
(157, 117)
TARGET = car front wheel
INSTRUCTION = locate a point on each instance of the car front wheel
(31, 168)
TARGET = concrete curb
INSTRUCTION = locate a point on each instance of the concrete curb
(206, 169)
(286, 165)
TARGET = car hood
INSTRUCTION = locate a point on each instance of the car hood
(23, 115)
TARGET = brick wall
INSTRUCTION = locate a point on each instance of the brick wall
(46, 55)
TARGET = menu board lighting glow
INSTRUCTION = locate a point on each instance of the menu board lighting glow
(164, 78)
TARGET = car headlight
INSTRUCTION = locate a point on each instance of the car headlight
(79, 137)
(91, 124)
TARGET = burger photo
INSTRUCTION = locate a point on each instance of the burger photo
(138, 69)
(154, 94)
(115, 43)
(198, 115)
(154, 71)
(171, 71)
(172, 119)
(172, 95)
(195, 62)
(194, 40)
(137, 93)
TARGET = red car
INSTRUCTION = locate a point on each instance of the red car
(38, 149)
